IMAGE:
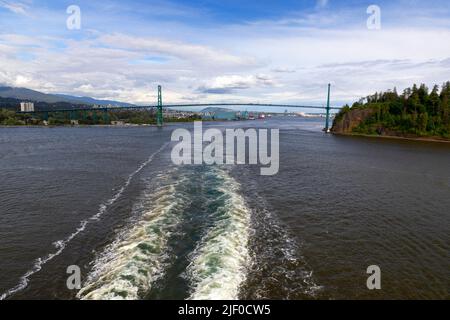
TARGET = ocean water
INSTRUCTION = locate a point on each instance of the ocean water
(110, 201)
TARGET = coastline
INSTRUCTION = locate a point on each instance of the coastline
(111, 125)
(420, 139)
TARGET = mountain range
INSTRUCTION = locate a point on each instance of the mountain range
(36, 96)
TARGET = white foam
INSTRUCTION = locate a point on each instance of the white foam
(219, 263)
(61, 244)
(139, 256)
(296, 277)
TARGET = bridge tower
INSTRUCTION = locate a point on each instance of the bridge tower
(159, 113)
(327, 124)
(106, 116)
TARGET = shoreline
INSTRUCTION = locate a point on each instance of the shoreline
(92, 125)
(420, 139)
(130, 125)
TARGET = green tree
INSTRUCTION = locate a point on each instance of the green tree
(416, 111)
(434, 102)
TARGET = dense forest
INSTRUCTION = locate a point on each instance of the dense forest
(417, 111)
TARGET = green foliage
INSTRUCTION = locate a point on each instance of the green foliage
(415, 112)
(9, 118)
(342, 113)
(139, 117)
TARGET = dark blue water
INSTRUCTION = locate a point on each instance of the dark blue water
(110, 201)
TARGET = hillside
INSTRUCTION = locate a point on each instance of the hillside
(13, 104)
(415, 113)
(36, 96)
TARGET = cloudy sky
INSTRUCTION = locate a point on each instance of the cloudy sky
(278, 51)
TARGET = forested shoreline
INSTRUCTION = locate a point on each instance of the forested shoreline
(418, 111)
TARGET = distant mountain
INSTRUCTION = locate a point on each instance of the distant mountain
(214, 110)
(36, 96)
(13, 104)
(89, 100)
(27, 94)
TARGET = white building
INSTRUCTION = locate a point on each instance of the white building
(27, 107)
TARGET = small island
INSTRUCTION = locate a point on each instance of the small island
(417, 113)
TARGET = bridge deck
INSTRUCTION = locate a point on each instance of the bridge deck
(193, 105)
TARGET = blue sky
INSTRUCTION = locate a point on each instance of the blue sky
(223, 51)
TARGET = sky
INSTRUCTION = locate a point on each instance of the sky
(267, 51)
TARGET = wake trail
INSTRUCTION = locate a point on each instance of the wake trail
(218, 265)
(61, 244)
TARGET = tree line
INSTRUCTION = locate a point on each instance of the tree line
(418, 110)
(9, 117)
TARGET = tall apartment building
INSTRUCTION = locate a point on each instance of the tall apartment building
(27, 107)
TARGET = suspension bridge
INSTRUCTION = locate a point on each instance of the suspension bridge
(81, 113)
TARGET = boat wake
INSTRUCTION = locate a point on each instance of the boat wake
(142, 254)
(218, 266)
(278, 270)
(139, 255)
(62, 244)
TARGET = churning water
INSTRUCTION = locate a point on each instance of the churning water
(110, 201)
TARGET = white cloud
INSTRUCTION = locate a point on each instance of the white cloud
(186, 51)
(21, 80)
(290, 60)
(231, 83)
(15, 7)
(283, 70)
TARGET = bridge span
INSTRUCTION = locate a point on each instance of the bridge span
(159, 107)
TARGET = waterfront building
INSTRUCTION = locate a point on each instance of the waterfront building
(27, 107)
